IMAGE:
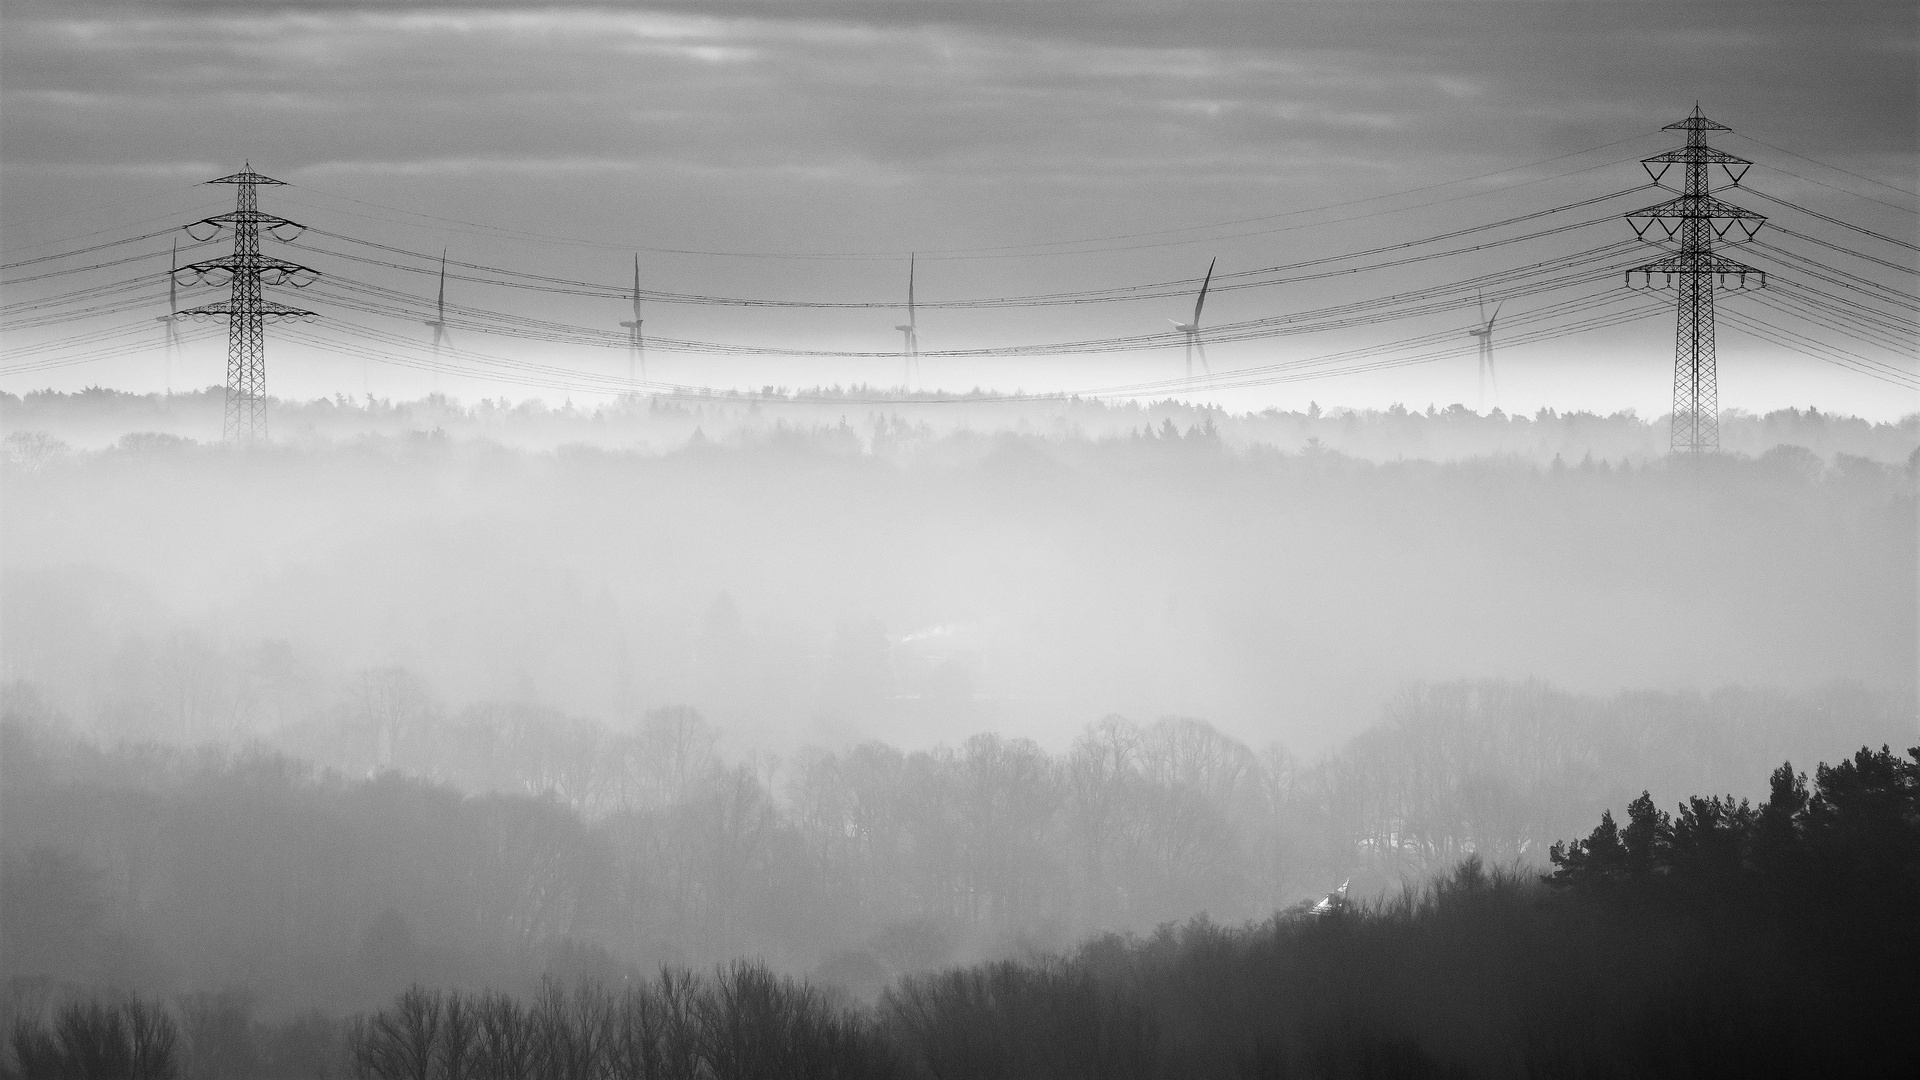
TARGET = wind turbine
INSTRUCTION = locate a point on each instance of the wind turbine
(1192, 329)
(439, 322)
(1484, 332)
(910, 328)
(171, 317)
(637, 358)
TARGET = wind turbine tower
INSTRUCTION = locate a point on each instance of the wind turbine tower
(1192, 329)
(171, 320)
(1484, 331)
(910, 329)
(439, 321)
(636, 344)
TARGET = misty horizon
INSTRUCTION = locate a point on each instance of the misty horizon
(958, 540)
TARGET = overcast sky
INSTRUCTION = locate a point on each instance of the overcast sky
(875, 129)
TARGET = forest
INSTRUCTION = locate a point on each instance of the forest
(870, 746)
(1730, 939)
(829, 585)
(502, 846)
(894, 421)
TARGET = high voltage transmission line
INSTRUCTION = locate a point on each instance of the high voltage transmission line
(1521, 280)
(1241, 279)
(1844, 300)
(1066, 247)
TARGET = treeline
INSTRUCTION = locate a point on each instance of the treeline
(495, 846)
(908, 421)
(821, 593)
(1733, 939)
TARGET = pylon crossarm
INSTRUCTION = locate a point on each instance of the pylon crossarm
(248, 217)
(248, 262)
(1697, 206)
(271, 271)
(247, 177)
(1732, 164)
(1692, 154)
(1728, 273)
(203, 274)
(270, 222)
(1734, 279)
(224, 308)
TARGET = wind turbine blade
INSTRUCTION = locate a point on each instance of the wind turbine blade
(912, 258)
(442, 303)
(1496, 315)
(1201, 302)
(636, 288)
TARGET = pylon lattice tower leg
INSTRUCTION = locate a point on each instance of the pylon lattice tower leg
(1696, 393)
(246, 309)
(1692, 223)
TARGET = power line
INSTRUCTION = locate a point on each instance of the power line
(1015, 250)
(83, 269)
(89, 210)
(1243, 279)
(1819, 350)
(85, 250)
(1835, 276)
(1835, 168)
(1836, 221)
(1845, 250)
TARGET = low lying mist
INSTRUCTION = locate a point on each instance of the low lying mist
(825, 585)
(302, 724)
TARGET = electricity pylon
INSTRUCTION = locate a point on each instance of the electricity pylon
(246, 312)
(171, 320)
(636, 344)
(1694, 221)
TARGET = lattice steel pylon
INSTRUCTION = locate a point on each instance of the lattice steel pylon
(246, 312)
(1693, 222)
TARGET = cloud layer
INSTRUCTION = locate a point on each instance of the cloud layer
(818, 126)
